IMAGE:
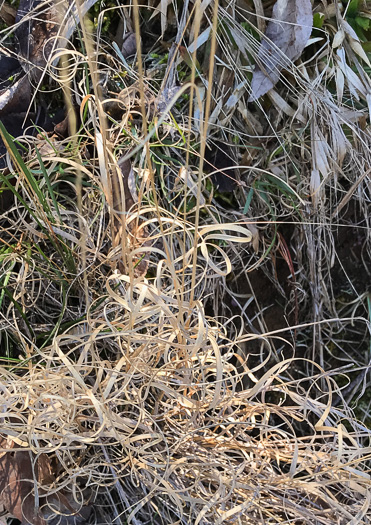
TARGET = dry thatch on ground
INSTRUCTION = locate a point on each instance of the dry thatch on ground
(142, 381)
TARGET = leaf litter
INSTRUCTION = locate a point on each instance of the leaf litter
(285, 38)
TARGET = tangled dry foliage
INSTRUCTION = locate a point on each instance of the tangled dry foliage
(126, 395)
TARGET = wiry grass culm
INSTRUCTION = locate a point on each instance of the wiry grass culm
(184, 305)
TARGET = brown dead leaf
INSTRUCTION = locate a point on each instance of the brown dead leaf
(129, 44)
(17, 484)
(285, 39)
(16, 98)
(64, 128)
(8, 14)
(9, 67)
(50, 147)
(18, 469)
(35, 36)
(255, 235)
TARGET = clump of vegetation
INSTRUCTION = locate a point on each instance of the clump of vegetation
(184, 308)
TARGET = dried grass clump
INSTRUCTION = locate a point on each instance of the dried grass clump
(149, 408)
(146, 400)
(125, 397)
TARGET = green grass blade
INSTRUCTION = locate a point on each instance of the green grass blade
(48, 183)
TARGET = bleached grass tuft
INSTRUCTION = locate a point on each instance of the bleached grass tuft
(142, 403)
